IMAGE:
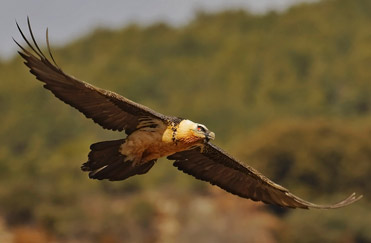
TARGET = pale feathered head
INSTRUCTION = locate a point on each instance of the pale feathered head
(189, 130)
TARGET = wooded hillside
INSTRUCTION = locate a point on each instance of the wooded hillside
(289, 93)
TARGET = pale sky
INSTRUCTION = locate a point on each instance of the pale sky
(70, 19)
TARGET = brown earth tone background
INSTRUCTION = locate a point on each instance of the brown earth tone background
(288, 93)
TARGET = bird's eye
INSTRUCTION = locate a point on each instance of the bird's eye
(201, 129)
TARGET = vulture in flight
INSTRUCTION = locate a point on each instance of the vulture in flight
(151, 135)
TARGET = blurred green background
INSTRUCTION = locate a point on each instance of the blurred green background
(289, 93)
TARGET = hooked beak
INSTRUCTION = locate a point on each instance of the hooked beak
(210, 136)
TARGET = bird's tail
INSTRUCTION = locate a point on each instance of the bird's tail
(106, 162)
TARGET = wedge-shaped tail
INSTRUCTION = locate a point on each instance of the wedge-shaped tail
(106, 162)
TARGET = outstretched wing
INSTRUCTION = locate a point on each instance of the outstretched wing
(106, 108)
(215, 166)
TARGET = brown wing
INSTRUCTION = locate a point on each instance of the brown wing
(218, 168)
(106, 108)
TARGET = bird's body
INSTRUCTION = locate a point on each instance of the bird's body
(162, 139)
(151, 135)
(151, 140)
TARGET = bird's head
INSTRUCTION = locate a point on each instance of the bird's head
(193, 131)
(201, 131)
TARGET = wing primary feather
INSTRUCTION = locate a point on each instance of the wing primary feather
(25, 39)
(48, 46)
(20, 47)
(33, 39)
(349, 200)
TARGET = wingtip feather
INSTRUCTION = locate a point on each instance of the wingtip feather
(352, 198)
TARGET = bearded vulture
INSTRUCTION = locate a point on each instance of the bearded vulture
(151, 135)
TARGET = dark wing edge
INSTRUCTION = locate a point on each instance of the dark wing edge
(106, 108)
(213, 165)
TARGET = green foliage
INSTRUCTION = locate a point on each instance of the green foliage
(316, 156)
(242, 75)
(351, 225)
(322, 161)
